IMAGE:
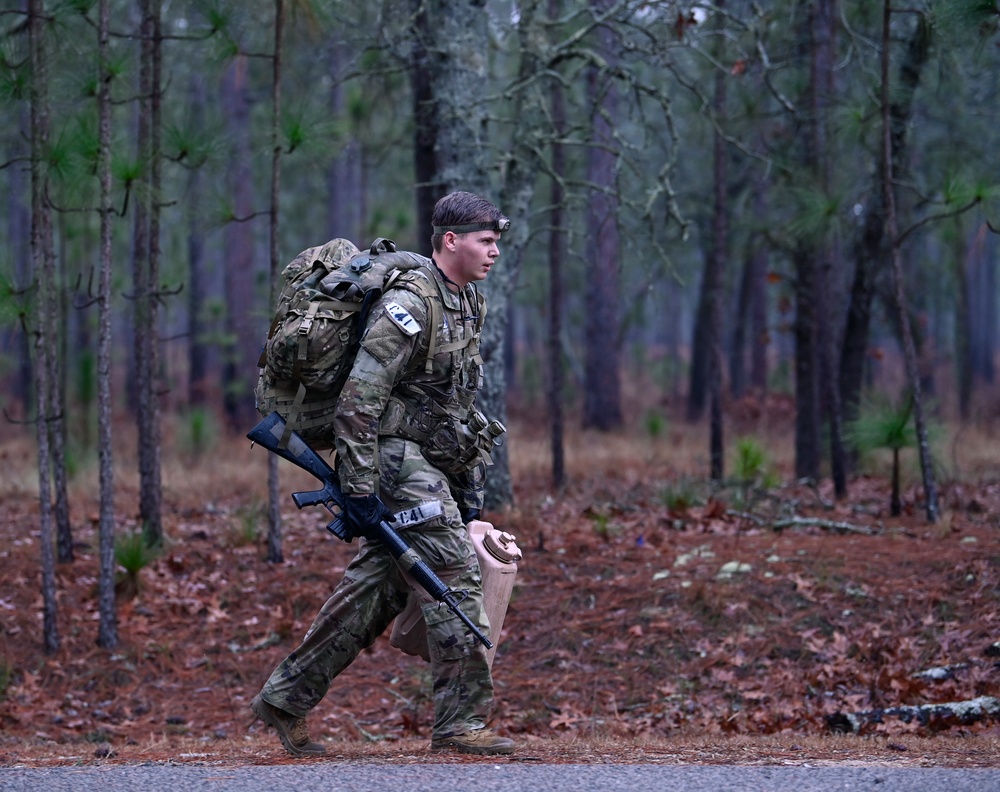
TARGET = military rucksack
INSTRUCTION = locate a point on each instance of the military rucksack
(326, 295)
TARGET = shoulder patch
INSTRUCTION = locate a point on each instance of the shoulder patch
(402, 318)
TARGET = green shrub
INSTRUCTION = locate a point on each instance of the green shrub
(133, 555)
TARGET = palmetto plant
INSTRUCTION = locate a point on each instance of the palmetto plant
(884, 424)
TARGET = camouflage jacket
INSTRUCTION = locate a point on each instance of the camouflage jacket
(397, 375)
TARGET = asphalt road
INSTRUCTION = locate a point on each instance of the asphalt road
(333, 777)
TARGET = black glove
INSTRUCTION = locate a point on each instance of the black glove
(469, 514)
(363, 513)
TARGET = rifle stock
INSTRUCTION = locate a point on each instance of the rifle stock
(269, 432)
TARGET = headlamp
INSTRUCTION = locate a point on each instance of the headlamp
(499, 225)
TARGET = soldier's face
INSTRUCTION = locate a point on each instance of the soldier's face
(474, 254)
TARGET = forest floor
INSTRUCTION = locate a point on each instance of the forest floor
(655, 618)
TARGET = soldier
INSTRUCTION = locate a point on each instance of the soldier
(412, 449)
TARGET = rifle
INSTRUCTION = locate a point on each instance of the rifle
(269, 433)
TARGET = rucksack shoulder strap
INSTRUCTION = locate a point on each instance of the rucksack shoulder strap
(422, 282)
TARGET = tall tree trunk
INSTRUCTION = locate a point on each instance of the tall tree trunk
(145, 277)
(459, 124)
(823, 27)
(759, 335)
(983, 303)
(347, 200)
(18, 224)
(602, 408)
(239, 275)
(870, 248)
(57, 414)
(150, 485)
(737, 353)
(892, 232)
(107, 630)
(962, 263)
(42, 260)
(557, 235)
(274, 549)
(809, 305)
(698, 375)
(425, 125)
(198, 368)
(808, 413)
(714, 282)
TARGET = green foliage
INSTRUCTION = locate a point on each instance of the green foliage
(199, 431)
(245, 531)
(133, 555)
(750, 461)
(681, 495)
(6, 675)
(86, 377)
(656, 424)
(11, 303)
(881, 424)
(752, 470)
(603, 526)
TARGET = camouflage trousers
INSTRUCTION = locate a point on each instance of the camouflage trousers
(374, 590)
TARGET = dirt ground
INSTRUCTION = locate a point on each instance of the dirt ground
(655, 618)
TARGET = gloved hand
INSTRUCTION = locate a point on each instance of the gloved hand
(469, 514)
(363, 513)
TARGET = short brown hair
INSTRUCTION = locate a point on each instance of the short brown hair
(459, 209)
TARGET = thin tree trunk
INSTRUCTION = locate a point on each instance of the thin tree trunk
(344, 176)
(107, 631)
(823, 27)
(870, 250)
(892, 232)
(18, 225)
(425, 126)
(715, 273)
(602, 390)
(759, 335)
(556, 382)
(150, 484)
(42, 261)
(962, 262)
(274, 549)
(807, 354)
(737, 351)
(239, 276)
(198, 369)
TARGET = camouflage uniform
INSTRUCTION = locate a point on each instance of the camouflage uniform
(395, 409)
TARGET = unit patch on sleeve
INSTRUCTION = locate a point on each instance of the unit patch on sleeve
(402, 318)
(419, 514)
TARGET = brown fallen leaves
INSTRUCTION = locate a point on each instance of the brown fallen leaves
(640, 628)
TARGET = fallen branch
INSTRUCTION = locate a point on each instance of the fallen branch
(816, 522)
(935, 717)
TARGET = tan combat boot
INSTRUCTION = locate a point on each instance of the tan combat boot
(291, 730)
(480, 741)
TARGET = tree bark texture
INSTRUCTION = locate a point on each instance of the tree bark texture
(107, 630)
(345, 182)
(870, 250)
(714, 283)
(42, 258)
(275, 555)
(557, 246)
(242, 326)
(892, 233)
(150, 484)
(602, 408)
